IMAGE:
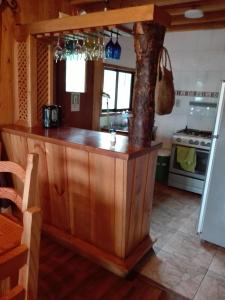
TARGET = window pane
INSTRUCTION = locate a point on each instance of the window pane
(124, 90)
(75, 76)
(109, 87)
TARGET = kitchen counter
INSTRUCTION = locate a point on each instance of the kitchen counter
(119, 131)
(95, 141)
(95, 198)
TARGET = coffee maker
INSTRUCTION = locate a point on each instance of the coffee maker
(51, 116)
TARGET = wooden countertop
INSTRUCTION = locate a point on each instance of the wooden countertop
(89, 140)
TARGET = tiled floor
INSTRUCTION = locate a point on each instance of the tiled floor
(182, 262)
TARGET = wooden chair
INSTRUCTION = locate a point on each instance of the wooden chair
(19, 258)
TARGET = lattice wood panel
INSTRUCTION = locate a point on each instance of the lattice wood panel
(42, 76)
(22, 79)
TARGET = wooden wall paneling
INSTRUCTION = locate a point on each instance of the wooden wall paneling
(79, 193)
(32, 81)
(137, 202)
(148, 196)
(57, 173)
(140, 188)
(44, 72)
(97, 94)
(50, 76)
(6, 71)
(120, 207)
(6, 140)
(36, 146)
(83, 117)
(16, 148)
(31, 11)
(0, 41)
(102, 189)
(130, 170)
(20, 83)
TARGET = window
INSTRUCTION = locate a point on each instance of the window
(118, 84)
(75, 76)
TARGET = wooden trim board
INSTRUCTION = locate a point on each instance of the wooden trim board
(102, 18)
(109, 261)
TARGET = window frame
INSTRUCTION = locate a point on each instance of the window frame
(119, 69)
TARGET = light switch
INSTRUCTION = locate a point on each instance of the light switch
(75, 102)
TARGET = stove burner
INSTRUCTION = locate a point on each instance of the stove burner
(195, 132)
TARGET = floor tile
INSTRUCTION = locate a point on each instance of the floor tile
(174, 272)
(190, 225)
(190, 246)
(162, 234)
(211, 288)
(181, 261)
(218, 263)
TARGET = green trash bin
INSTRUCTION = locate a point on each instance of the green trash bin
(162, 168)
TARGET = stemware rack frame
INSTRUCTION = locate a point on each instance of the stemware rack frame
(33, 63)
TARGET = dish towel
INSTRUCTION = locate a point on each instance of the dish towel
(186, 157)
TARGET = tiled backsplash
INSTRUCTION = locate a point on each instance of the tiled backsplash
(198, 63)
(197, 94)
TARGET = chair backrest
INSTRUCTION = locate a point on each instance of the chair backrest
(29, 179)
(28, 203)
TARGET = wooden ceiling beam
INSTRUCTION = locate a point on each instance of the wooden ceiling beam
(104, 18)
(132, 2)
(78, 2)
(197, 26)
(206, 6)
(125, 29)
(194, 3)
(208, 17)
(173, 7)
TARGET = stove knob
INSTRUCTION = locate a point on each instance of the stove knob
(208, 144)
(178, 140)
(196, 142)
(202, 143)
(191, 142)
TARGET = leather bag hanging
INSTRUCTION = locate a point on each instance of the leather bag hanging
(164, 89)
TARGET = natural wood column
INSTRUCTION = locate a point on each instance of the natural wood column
(148, 39)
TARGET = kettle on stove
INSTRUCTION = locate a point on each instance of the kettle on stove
(51, 116)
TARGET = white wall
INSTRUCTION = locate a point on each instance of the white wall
(198, 62)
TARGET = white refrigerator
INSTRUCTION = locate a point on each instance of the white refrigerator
(211, 225)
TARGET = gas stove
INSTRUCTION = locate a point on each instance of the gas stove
(193, 138)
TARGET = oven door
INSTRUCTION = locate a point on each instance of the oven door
(201, 163)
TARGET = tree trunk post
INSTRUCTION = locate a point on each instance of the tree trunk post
(148, 40)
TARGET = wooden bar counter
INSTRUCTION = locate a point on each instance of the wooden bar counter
(95, 198)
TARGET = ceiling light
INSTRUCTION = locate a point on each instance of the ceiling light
(194, 13)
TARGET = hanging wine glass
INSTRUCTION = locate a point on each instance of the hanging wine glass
(77, 49)
(58, 51)
(69, 49)
(109, 48)
(99, 49)
(117, 49)
(87, 49)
